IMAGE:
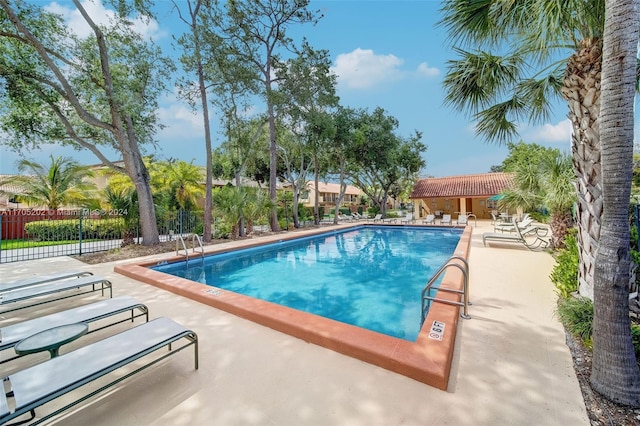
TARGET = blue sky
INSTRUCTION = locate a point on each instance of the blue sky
(389, 54)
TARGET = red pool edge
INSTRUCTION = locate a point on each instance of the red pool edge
(426, 360)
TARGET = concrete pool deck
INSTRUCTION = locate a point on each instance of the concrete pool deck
(511, 363)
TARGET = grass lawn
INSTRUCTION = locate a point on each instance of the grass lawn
(21, 244)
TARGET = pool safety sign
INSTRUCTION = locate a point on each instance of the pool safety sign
(437, 330)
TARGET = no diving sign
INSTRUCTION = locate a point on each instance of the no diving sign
(437, 330)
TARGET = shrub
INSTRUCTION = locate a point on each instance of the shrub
(576, 313)
(565, 273)
(69, 229)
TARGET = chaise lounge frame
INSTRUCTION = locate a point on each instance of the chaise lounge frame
(91, 313)
(35, 386)
(34, 291)
(43, 279)
(518, 237)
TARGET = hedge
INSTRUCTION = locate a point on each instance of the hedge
(69, 229)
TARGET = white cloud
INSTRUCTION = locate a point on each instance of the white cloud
(551, 133)
(180, 122)
(426, 70)
(101, 16)
(363, 69)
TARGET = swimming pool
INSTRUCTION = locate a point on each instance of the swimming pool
(370, 277)
(429, 359)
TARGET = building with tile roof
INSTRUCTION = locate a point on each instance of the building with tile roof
(328, 195)
(453, 195)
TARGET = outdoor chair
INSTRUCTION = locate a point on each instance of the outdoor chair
(377, 217)
(60, 289)
(35, 386)
(430, 219)
(88, 314)
(518, 237)
(407, 219)
(446, 219)
(42, 279)
(510, 226)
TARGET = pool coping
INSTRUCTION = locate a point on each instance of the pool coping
(427, 360)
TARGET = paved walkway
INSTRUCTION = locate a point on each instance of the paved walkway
(512, 366)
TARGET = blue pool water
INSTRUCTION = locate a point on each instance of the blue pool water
(369, 276)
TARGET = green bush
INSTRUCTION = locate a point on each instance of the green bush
(565, 273)
(577, 316)
(635, 337)
(69, 229)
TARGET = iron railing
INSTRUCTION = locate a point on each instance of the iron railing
(41, 234)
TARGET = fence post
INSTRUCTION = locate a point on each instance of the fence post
(637, 221)
(80, 236)
(1, 238)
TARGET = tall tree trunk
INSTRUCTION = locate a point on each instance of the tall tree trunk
(316, 201)
(208, 196)
(273, 168)
(582, 91)
(615, 372)
(140, 176)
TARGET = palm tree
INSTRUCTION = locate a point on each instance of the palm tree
(614, 371)
(257, 206)
(547, 183)
(121, 196)
(180, 181)
(229, 202)
(62, 183)
(555, 55)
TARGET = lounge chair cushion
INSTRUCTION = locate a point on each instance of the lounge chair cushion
(12, 334)
(41, 383)
(24, 293)
(26, 282)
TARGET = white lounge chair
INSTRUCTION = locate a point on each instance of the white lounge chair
(446, 219)
(42, 279)
(510, 226)
(517, 237)
(430, 219)
(407, 219)
(88, 314)
(463, 219)
(60, 288)
(37, 385)
(377, 217)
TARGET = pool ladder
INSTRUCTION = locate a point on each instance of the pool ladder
(426, 297)
(180, 242)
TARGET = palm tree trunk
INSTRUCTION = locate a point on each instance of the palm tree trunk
(582, 91)
(615, 372)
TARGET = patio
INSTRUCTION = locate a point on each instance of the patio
(511, 366)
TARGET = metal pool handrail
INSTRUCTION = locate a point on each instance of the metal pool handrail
(465, 292)
(194, 238)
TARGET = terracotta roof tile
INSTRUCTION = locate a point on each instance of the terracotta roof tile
(479, 185)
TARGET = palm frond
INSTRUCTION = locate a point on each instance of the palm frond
(498, 122)
(478, 79)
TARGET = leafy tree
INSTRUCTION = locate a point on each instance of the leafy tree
(525, 153)
(255, 34)
(95, 93)
(306, 93)
(555, 56)
(379, 160)
(61, 183)
(193, 60)
(614, 371)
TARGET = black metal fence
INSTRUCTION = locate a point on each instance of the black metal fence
(33, 235)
